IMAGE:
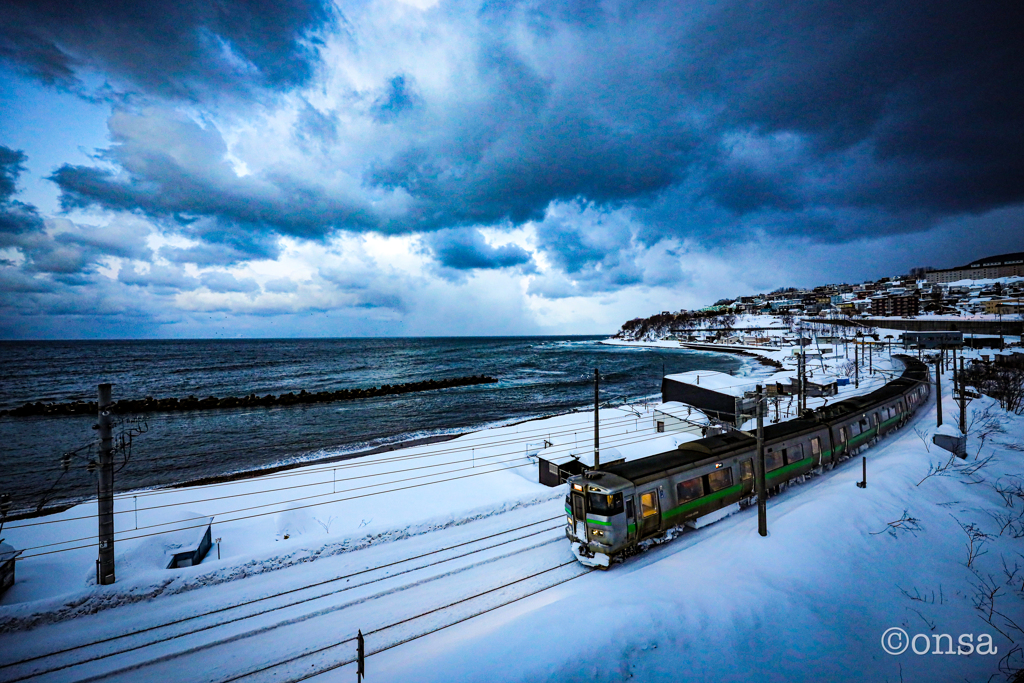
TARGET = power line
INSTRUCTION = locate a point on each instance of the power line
(366, 495)
(314, 469)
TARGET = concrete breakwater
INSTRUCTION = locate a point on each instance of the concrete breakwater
(157, 405)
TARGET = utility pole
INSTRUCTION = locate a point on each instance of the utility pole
(801, 368)
(938, 391)
(856, 363)
(105, 500)
(597, 431)
(759, 481)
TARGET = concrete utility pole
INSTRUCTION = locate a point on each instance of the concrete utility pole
(856, 363)
(801, 366)
(597, 431)
(105, 502)
(759, 481)
(938, 391)
(962, 388)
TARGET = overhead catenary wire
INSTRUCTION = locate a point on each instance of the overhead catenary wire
(318, 469)
(474, 473)
(467, 439)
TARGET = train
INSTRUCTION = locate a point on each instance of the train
(612, 511)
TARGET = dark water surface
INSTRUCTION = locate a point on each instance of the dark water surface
(538, 376)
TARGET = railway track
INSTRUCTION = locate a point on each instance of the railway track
(352, 596)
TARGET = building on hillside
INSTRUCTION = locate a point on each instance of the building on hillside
(895, 305)
(1007, 265)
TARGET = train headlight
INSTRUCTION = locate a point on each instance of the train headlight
(597, 532)
(568, 519)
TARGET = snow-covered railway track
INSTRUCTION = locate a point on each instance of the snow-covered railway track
(128, 652)
(295, 644)
(401, 632)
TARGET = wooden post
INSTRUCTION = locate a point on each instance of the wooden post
(863, 483)
(938, 391)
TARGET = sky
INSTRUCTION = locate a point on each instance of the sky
(468, 167)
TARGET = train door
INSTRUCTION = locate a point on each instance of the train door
(650, 513)
(579, 513)
(632, 528)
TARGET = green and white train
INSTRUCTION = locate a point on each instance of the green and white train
(611, 511)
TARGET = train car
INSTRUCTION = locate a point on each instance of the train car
(612, 510)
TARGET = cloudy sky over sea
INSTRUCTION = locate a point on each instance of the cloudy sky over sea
(198, 169)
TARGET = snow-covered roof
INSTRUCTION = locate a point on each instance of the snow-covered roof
(948, 430)
(715, 381)
(7, 551)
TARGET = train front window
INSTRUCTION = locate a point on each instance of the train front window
(605, 504)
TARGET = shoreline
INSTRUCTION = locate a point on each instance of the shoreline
(748, 352)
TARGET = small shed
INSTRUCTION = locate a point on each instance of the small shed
(192, 553)
(8, 555)
(553, 474)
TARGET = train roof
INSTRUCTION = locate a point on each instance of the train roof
(708, 448)
(722, 445)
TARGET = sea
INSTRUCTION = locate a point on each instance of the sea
(537, 376)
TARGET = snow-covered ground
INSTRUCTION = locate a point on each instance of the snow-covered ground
(419, 541)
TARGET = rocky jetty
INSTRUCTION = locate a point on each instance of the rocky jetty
(162, 405)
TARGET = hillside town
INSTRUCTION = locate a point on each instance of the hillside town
(989, 290)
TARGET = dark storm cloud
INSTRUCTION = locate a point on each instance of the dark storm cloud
(177, 49)
(168, 278)
(467, 249)
(222, 282)
(175, 169)
(831, 121)
(16, 218)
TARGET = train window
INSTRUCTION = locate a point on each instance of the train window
(877, 420)
(794, 454)
(605, 504)
(720, 479)
(863, 424)
(772, 461)
(661, 426)
(629, 508)
(816, 446)
(691, 489)
(842, 434)
(747, 469)
(648, 504)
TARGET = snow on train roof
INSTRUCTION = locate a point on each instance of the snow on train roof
(721, 382)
